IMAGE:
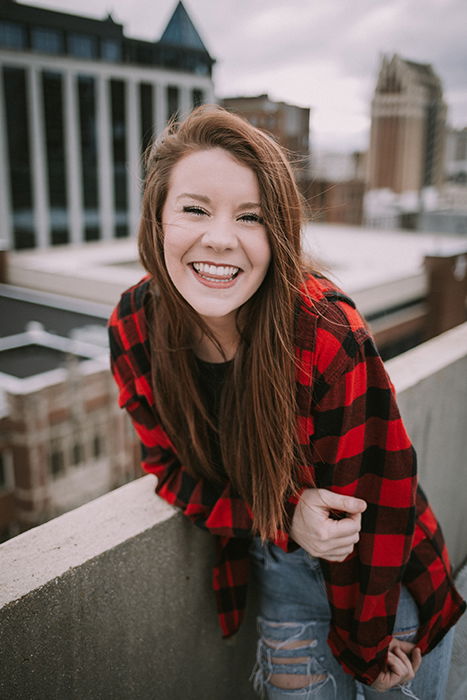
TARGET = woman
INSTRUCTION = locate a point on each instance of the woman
(266, 414)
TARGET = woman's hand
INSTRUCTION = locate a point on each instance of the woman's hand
(403, 662)
(327, 524)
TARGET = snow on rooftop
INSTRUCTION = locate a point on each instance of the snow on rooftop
(360, 258)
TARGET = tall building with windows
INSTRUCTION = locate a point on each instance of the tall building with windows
(79, 103)
(408, 117)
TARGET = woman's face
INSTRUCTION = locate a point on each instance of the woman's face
(216, 247)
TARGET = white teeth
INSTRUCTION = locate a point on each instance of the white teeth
(219, 270)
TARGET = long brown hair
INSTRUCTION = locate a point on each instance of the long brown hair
(257, 428)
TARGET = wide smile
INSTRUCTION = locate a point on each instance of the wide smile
(220, 276)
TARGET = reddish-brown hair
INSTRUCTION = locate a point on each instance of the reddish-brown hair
(257, 423)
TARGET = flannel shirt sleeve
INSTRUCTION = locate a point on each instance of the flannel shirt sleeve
(360, 448)
(216, 508)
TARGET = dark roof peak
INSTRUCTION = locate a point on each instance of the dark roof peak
(181, 32)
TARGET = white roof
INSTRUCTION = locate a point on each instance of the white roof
(360, 258)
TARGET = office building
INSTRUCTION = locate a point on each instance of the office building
(408, 117)
(79, 103)
(289, 124)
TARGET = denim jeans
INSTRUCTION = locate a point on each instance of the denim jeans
(293, 626)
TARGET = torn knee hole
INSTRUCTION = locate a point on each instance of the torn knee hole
(289, 660)
(405, 633)
(297, 644)
(288, 681)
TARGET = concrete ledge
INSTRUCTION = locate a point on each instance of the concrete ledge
(431, 381)
(113, 600)
(457, 684)
(45, 553)
(427, 359)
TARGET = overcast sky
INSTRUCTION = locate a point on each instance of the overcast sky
(322, 54)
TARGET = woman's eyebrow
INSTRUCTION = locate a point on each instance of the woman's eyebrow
(199, 197)
(250, 205)
(206, 200)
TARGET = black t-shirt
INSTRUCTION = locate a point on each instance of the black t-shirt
(212, 377)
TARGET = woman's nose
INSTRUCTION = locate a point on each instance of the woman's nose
(220, 235)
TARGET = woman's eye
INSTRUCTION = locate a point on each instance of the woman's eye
(194, 210)
(253, 218)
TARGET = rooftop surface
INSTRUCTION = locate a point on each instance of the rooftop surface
(28, 360)
(360, 258)
(57, 315)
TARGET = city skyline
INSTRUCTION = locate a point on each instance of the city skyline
(325, 57)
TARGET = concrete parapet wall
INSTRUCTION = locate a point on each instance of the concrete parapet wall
(113, 600)
(431, 383)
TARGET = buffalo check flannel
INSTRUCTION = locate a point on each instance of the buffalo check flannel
(354, 443)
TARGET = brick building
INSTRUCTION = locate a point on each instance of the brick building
(63, 439)
(289, 124)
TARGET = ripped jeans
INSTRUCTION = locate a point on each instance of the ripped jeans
(293, 657)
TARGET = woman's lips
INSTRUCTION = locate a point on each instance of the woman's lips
(215, 276)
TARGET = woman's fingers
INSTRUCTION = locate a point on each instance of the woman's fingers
(396, 665)
(416, 659)
(413, 652)
(408, 672)
(345, 527)
(400, 666)
(340, 503)
(402, 643)
(317, 527)
(405, 660)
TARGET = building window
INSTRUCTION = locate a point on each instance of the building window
(146, 103)
(12, 35)
(82, 46)
(17, 109)
(197, 97)
(56, 459)
(119, 144)
(77, 453)
(88, 143)
(7, 474)
(111, 50)
(172, 101)
(3, 476)
(46, 40)
(98, 446)
(200, 66)
(52, 87)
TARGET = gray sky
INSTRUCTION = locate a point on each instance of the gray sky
(322, 54)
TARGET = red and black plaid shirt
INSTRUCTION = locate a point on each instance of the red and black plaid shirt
(354, 443)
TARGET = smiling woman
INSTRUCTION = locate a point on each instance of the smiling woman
(265, 412)
(216, 248)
